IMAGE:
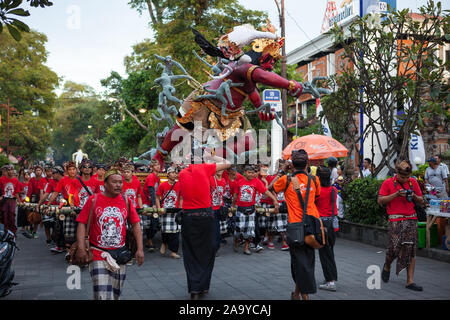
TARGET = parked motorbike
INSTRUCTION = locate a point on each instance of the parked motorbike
(7, 251)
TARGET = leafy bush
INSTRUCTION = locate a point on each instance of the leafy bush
(3, 160)
(361, 206)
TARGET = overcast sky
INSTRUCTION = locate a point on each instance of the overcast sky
(87, 39)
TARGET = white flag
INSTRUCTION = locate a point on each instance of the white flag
(416, 150)
(325, 128)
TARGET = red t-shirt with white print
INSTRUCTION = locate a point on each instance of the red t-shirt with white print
(108, 222)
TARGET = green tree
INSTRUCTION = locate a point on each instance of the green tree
(29, 85)
(401, 74)
(10, 8)
(75, 112)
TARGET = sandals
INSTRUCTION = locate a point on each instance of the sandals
(293, 297)
(385, 274)
(414, 287)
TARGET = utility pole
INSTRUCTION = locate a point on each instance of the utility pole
(283, 71)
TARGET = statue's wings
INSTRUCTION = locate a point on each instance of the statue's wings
(207, 46)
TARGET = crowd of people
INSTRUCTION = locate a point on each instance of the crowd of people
(206, 194)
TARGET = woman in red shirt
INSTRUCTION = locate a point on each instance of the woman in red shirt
(399, 194)
(326, 204)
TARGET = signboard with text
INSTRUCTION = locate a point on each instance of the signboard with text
(340, 11)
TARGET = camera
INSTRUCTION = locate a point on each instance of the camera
(409, 195)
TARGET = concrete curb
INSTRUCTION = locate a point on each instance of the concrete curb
(378, 237)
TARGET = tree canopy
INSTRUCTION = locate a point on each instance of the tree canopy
(396, 62)
(29, 85)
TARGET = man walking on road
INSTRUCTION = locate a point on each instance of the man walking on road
(198, 229)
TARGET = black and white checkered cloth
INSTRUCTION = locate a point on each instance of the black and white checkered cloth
(263, 220)
(107, 285)
(278, 222)
(245, 224)
(70, 228)
(168, 223)
(145, 221)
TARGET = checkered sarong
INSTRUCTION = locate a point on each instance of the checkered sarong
(107, 285)
(70, 228)
(278, 222)
(145, 221)
(168, 223)
(263, 220)
(245, 223)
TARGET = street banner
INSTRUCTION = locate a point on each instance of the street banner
(416, 150)
(325, 128)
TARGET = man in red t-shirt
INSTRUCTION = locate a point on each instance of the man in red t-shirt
(168, 196)
(131, 186)
(151, 185)
(58, 237)
(197, 228)
(218, 185)
(49, 222)
(35, 184)
(244, 199)
(80, 192)
(400, 193)
(100, 178)
(63, 187)
(107, 231)
(10, 189)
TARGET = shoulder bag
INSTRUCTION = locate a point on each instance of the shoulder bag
(314, 233)
(295, 232)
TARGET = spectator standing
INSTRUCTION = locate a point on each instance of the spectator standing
(437, 177)
(326, 204)
(367, 167)
(302, 257)
(441, 164)
(399, 194)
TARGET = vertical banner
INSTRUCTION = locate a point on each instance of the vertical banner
(416, 150)
(325, 128)
(273, 96)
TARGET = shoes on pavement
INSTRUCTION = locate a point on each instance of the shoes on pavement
(35, 236)
(247, 252)
(285, 247)
(328, 286)
(259, 248)
(131, 262)
(67, 257)
(57, 249)
(252, 246)
(414, 287)
(174, 255)
(27, 235)
(270, 246)
(49, 242)
(151, 248)
(385, 274)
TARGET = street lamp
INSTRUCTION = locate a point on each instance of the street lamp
(142, 110)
